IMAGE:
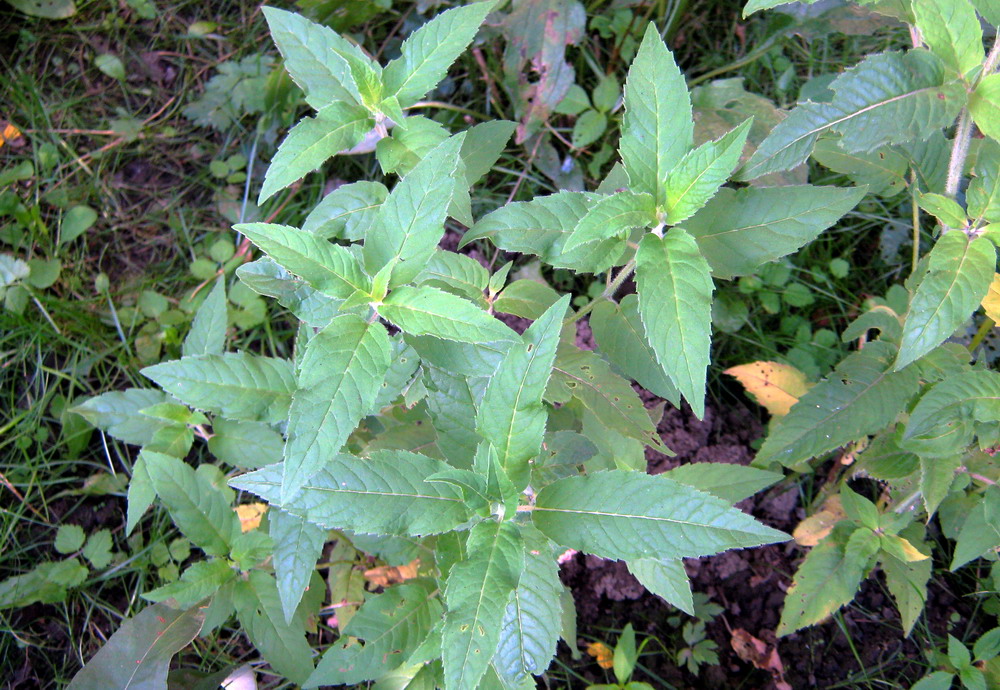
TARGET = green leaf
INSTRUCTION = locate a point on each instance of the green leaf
(140, 494)
(340, 375)
(98, 549)
(958, 277)
(675, 302)
(667, 579)
(729, 482)
(861, 397)
(611, 216)
(588, 128)
(138, 654)
(984, 106)
(531, 623)
(827, 579)
(739, 230)
(455, 273)
(588, 378)
(237, 386)
(944, 209)
(451, 402)
(951, 29)
(208, 329)
(658, 128)
(983, 194)
(200, 512)
(231, 439)
(950, 407)
(382, 494)
(347, 212)
(511, 415)
(907, 581)
(69, 539)
(631, 515)
(328, 267)
(936, 477)
(888, 98)
(938, 680)
(48, 9)
(429, 311)
(117, 413)
(701, 172)
(392, 624)
(199, 581)
(981, 531)
(525, 298)
(476, 597)
(310, 143)
(410, 222)
(482, 147)
(44, 272)
(859, 508)
(428, 52)
(883, 170)
(621, 337)
(297, 546)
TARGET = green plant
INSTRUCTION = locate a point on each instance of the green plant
(623, 661)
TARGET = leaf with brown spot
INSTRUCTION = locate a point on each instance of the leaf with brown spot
(386, 575)
(250, 515)
(774, 385)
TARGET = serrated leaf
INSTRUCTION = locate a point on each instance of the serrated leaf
(958, 276)
(382, 494)
(729, 482)
(511, 415)
(428, 52)
(208, 329)
(237, 386)
(531, 623)
(297, 546)
(328, 267)
(613, 215)
(698, 175)
(525, 298)
(69, 538)
(675, 303)
(888, 98)
(245, 444)
(774, 385)
(451, 402)
(266, 277)
(946, 210)
(984, 106)
(392, 624)
(311, 142)
(200, 580)
(482, 147)
(882, 170)
(981, 531)
(347, 212)
(200, 512)
(739, 230)
(410, 223)
(339, 377)
(983, 193)
(456, 273)
(941, 424)
(476, 595)
(631, 515)
(951, 29)
(98, 549)
(907, 582)
(861, 397)
(117, 413)
(658, 128)
(429, 311)
(140, 494)
(667, 579)
(138, 654)
(621, 337)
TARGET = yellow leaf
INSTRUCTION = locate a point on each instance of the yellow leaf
(814, 528)
(9, 134)
(991, 303)
(250, 515)
(603, 653)
(775, 386)
(386, 575)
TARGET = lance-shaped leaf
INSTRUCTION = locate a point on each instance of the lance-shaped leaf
(382, 494)
(984, 106)
(883, 170)
(658, 129)
(542, 227)
(739, 230)
(621, 337)
(451, 402)
(907, 580)
(699, 174)
(410, 222)
(234, 385)
(208, 329)
(199, 510)
(297, 546)
(980, 532)
(428, 52)
(347, 212)
(339, 378)
(429, 311)
(983, 194)
(889, 98)
(117, 413)
(959, 274)
(532, 622)
(675, 302)
(202, 579)
(312, 141)
(455, 273)
(613, 215)
(138, 654)
(512, 415)
(666, 578)
(951, 29)
(631, 515)
(861, 397)
(729, 482)
(328, 267)
(476, 597)
(956, 401)
(392, 625)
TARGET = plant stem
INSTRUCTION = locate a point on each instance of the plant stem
(984, 328)
(916, 221)
(609, 291)
(959, 152)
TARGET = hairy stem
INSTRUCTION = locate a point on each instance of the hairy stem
(916, 220)
(609, 291)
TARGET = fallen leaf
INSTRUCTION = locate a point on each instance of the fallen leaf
(763, 656)
(774, 385)
(991, 303)
(814, 528)
(250, 515)
(603, 653)
(11, 135)
(386, 575)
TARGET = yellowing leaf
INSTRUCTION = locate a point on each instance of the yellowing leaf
(775, 386)
(603, 653)
(9, 134)
(991, 303)
(814, 528)
(386, 575)
(250, 515)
